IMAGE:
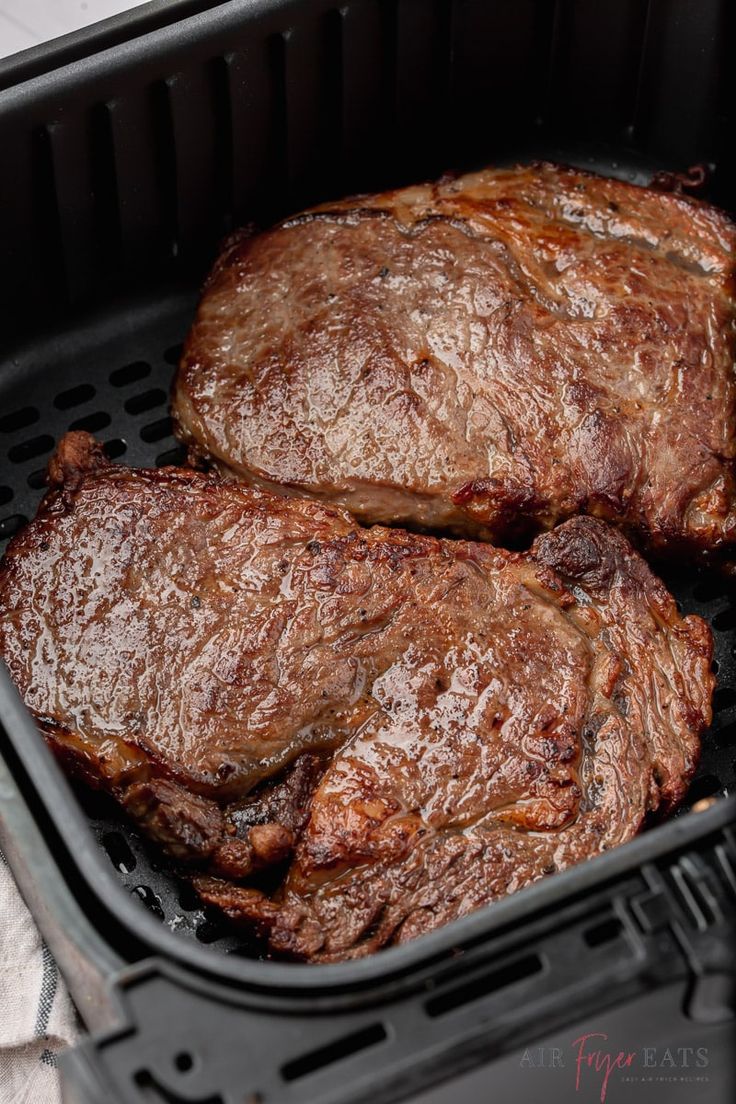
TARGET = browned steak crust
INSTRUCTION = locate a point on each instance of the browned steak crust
(459, 720)
(490, 355)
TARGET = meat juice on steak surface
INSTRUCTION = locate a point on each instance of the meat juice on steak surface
(487, 355)
(445, 721)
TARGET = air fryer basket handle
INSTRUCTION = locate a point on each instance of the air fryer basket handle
(668, 923)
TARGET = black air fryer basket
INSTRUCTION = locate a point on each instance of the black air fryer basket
(128, 151)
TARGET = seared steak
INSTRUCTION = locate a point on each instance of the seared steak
(454, 720)
(487, 355)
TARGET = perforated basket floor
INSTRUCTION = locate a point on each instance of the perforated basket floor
(112, 377)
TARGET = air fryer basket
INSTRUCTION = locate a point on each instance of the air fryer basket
(127, 157)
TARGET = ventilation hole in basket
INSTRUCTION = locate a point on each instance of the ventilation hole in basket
(156, 431)
(725, 620)
(724, 699)
(29, 450)
(19, 419)
(184, 1062)
(604, 932)
(708, 590)
(119, 852)
(146, 401)
(225, 128)
(703, 787)
(188, 898)
(130, 373)
(334, 1052)
(92, 423)
(114, 448)
(151, 900)
(75, 396)
(210, 930)
(172, 355)
(96, 805)
(726, 736)
(37, 479)
(175, 456)
(6, 494)
(243, 950)
(715, 665)
(9, 526)
(487, 983)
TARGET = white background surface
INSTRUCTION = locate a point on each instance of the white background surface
(25, 23)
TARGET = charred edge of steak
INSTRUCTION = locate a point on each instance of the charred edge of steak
(254, 836)
(235, 841)
(77, 455)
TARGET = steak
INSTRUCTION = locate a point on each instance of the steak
(395, 728)
(486, 355)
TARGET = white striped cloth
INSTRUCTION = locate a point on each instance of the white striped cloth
(37, 1017)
